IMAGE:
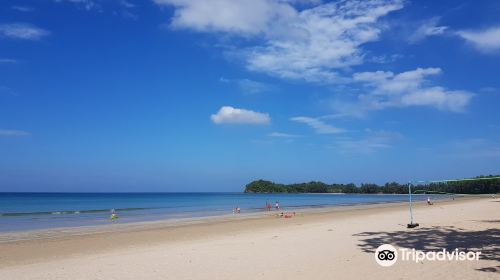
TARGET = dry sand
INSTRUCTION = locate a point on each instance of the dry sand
(336, 244)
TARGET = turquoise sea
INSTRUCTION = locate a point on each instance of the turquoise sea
(29, 211)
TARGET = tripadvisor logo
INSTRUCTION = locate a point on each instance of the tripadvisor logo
(386, 255)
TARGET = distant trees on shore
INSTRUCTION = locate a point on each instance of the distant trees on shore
(463, 187)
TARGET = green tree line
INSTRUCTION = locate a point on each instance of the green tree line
(479, 186)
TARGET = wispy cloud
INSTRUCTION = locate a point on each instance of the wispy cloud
(24, 9)
(231, 115)
(489, 89)
(383, 59)
(486, 40)
(8, 60)
(122, 8)
(474, 148)
(319, 126)
(127, 8)
(371, 142)
(282, 135)
(249, 86)
(7, 90)
(127, 4)
(7, 133)
(309, 44)
(317, 42)
(85, 4)
(427, 28)
(24, 31)
(346, 108)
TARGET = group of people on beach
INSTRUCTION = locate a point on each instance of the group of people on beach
(237, 209)
(277, 207)
(269, 206)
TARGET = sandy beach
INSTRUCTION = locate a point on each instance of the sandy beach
(336, 243)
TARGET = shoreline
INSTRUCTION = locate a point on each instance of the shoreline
(332, 243)
(195, 217)
(21, 248)
(56, 232)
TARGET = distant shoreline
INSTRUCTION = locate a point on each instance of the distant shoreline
(477, 185)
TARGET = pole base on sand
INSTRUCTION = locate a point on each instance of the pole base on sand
(412, 225)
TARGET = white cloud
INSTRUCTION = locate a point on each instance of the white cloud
(318, 43)
(310, 44)
(388, 82)
(230, 115)
(282, 135)
(246, 17)
(427, 28)
(487, 40)
(408, 89)
(321, 40)
(7, 132)
(23, 31)
(438, 97)
(319, 126)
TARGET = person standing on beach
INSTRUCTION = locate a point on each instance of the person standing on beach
(268, 206)
(277, 205)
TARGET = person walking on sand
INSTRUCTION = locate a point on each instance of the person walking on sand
(277, 205)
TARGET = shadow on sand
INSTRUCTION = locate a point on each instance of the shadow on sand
(438, 238)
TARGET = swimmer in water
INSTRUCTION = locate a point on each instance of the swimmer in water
(113, 216)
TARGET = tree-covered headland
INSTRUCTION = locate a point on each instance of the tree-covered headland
(479, 186)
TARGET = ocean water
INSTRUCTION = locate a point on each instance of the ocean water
(29, 211)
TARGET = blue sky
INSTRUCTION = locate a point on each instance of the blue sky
(179, 95)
